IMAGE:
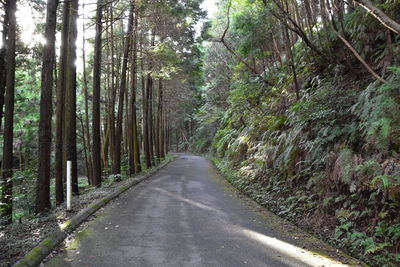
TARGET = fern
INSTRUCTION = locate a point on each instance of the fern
(378, 107)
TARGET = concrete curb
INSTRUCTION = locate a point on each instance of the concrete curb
(44, 248)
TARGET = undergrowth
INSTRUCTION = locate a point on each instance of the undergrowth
(328, 162)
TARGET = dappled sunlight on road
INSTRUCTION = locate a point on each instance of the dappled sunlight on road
(282, 249)
(290, 250)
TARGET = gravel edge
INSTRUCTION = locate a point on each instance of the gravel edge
(35, 256)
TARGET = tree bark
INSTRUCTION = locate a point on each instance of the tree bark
(85, 124)
(160, 116)
(135, 153)
(150, 83)
(118, 132)
(46, 102)
(59, 147)
(145, 125)
(3, 53)
(111, 107)
(7, 165)
(96, 97)
(70, 96)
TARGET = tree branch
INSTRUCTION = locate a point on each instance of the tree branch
(379, 15)
(232, 51)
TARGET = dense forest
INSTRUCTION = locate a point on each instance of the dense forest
(107, 101)
(296, 102)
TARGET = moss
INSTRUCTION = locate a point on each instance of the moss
(34, 255)
(21, 263)
(47, 243)
(65, 225)
(123, 188)
(74, 244)
(94, 206)
(105, 200)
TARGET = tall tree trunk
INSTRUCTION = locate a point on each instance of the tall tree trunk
(118, 132)
(150, 104)
(96, 97)
(126, 124)
(111, 123)
(59, 148)
(85, 124)
(70, 96)
(160, 121)
(46, 102)
(86, 150)
(177, 139)
(7, 192)
(105, 143)
(145, 124)
(135, 153)
(156, 127)
(3, 53)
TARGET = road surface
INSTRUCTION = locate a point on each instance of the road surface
(186, 215)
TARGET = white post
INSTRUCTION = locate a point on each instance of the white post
(69, 189)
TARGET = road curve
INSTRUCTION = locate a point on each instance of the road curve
(184, 215)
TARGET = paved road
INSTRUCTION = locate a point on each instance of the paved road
(183, 216)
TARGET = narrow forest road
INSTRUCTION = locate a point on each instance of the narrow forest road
(186, 215)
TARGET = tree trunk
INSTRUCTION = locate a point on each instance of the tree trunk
(70, 96)
(7, 165)
(290, 59)
(85, 124)
(3, 53)
(160, 121)
(118, 132)
(156, 126)
(150, 105)
(46, 102)
(96, 97)
(59, 150)
(145, 124)
(111, 123)
(135, 153)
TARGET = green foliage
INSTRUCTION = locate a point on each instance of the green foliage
(334, 152)
(24, 192)
(377, 107)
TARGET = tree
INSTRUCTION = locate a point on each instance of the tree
(85, 122)
(70, 95)
(59, 142)
(118, 133)
(160, 124)
(134, 139)
(46, 99)
(96, 96)
(3, 51)
(7, 164)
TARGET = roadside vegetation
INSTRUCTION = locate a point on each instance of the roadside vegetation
(301, 111)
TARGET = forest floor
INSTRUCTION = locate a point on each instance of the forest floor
(20, 237)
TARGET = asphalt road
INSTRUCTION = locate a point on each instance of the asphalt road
(185, 215)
